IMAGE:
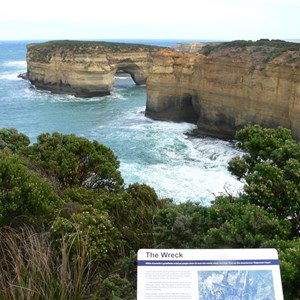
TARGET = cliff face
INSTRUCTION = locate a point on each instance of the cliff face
(194, 47)
(227, 87)
(85, 69)
(222, 88)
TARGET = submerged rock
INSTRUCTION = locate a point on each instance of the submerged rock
(23, 76)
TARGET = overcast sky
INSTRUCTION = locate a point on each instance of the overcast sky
(155, 19)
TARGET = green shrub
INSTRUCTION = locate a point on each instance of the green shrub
(76, 161)
(270, 169)
(118, 288)
(25, 197)
(289, 257)
(181, 226)
(234, 224)
(10, 138)
(94, 226)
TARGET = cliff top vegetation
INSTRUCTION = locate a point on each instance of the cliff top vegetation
(76, 44)
(280, 44)
(268, 49)
(43, 51)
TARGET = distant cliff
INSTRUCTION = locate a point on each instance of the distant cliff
(193, 47)
(227, 86)
(86, 69)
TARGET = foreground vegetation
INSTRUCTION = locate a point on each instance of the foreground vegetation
(70, 229)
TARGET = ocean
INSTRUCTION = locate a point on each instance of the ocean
(157, 153)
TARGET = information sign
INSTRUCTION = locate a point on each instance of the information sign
(205, 274)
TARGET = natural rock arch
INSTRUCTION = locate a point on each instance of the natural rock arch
(86, 69)
(136, 73)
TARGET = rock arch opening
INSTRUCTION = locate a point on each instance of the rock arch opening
(129, 73)
(123, 79)
(187, 109)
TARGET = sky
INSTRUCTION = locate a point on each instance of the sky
(155, 19)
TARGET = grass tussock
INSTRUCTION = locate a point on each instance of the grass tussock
(32, 268)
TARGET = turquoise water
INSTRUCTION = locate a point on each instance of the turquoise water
(156, 153)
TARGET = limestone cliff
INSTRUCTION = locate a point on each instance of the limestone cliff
(228, 86)
(83, 68)
(194, 47)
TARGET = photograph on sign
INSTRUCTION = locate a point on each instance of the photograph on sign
(235, 284)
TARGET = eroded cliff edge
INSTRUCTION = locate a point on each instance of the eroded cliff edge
(86, 69)
(228, 86)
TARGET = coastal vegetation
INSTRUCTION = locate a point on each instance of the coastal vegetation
(93, 44)
(279, 44)
(270, 48)
(71, 229)
(42, 52)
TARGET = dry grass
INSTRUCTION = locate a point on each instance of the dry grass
(31, 269)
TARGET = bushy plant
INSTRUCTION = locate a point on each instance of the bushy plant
(12, 139)
(145, 205)
(229, 222)
(270, 169)
(95, 226)
(181, 226)
(289, 257)
(76, 161)
(132, 212)
(25, 197)
(117, 288)
(234, 224)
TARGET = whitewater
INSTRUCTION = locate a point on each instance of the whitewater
(160, 154)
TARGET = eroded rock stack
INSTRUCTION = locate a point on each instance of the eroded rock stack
(86, 69)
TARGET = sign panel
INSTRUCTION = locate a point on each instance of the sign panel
(205, 274)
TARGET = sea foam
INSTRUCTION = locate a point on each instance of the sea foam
(163, 156)
(10, 76)
(16, 63)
